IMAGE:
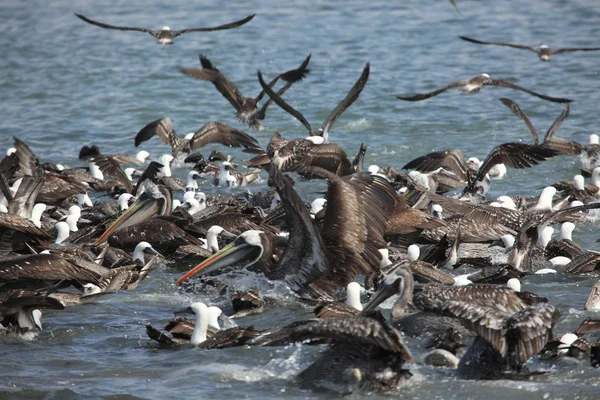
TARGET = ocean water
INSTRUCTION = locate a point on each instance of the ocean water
(66, 83)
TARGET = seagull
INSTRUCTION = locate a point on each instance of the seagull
(165, 35)
(471, 85)
(544, 52)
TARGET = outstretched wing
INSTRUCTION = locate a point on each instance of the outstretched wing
(121, 28)
(423, 96)
(347, 102)
(516, 46)
(506, 84)
(210, 73)
(216, 132)
(230, 25)
(514, 107)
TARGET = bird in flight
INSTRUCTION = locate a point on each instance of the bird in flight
(472, 85)
(166, 35)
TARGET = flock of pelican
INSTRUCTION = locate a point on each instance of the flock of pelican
(454, 262)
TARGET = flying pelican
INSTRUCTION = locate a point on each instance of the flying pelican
(472, 85)
(246, 107)
(166, 35)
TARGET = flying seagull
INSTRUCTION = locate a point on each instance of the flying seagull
(471, 85)
(544, 52)
(165, 35)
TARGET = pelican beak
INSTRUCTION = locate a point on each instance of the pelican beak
(385, 291)
(142, 209)
(234, 252)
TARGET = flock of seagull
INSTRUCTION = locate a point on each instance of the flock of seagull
(454, 262)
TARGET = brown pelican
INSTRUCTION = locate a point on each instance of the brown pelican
(305, 157)
(166, 35)
(364, 354)
(506, 339)
(544, 52)
(560, 145)
(346, 246)
(351, 307)
(323, 131)
(512, 154)
(179, 330)
(472, 85)
(200, 338)
(400, 280)
(211, 132)
(246, 107)
(20, 309)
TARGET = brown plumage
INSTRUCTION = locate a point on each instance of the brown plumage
(166, 36)
(559, 145)
(323, 131)
(246, 107)
(306, 157)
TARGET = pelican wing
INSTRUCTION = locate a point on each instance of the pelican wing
(515, 155)
(281, 103)
(121, 28)
(528, 331)
(304, 259)
(558, 122)
(290, 77)
(514, 107)
(589, 324)
(163, 128)
(502, 299)
(210, 73)
(48, 267)
(506, 84)
(216, 132)
(571, 49)
(230, 25)
(423, 96)
(347, 101)
(110, 167)
(516, 46)
(454, 160)
(358, 207)
(328, 156)
(487, 322)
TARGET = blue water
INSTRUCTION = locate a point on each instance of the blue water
(66, 83)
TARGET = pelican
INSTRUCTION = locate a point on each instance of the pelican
(330, 258)
(165, 35)
(246, 107)
(472, 85)
(364, 354)
(211, 132)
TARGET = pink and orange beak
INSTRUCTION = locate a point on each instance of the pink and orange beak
(142, 209)
(234, 252)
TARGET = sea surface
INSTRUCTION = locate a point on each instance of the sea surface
(65, 83)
